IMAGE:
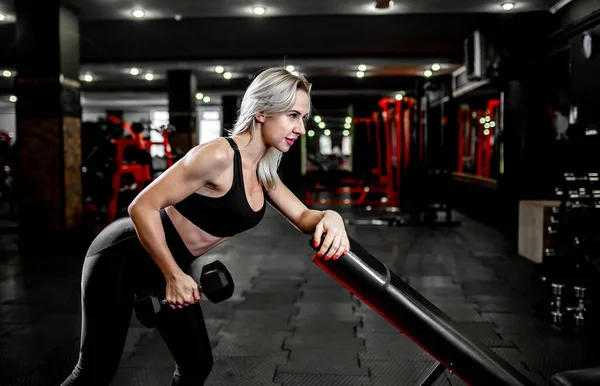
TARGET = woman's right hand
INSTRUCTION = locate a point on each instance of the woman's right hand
(182, 291)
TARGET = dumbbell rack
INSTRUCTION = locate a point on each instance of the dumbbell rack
(574, 262)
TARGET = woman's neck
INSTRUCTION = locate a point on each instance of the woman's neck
(251, 146)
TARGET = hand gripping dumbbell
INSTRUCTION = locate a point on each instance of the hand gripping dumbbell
(216, 284)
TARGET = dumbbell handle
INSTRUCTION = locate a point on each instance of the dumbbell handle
(164, 303)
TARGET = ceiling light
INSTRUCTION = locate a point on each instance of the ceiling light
(311, 133)
(508, 6)
(348, 120)
(435, 67)
(362, 67)
(149, 76)
(88, 78)
(259, 10)
(317, 118)
(199, 95)
(12, 98)
(206, 99)
(399, 97)
(219, 69)
(322, 125)
(6, 73)
(347, 125)
(134, 71)
(227, 75)
(327, 132)
(177, 17)
(2, 17)
(346, 133)
(290, 68)
(138, 13)
(427, 73)
(360, 74)
(383, 4)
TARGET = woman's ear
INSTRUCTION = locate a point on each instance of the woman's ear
(260, 117)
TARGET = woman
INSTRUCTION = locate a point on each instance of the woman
(217, 190)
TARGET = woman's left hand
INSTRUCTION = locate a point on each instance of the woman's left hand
(336, 241)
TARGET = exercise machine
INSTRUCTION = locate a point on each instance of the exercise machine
(420, 320)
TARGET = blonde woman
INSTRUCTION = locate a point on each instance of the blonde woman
(219, 189)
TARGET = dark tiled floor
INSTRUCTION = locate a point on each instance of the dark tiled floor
(288, 322)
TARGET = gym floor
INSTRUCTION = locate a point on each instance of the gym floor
(288, 322)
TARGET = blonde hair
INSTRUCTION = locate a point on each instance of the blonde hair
(273, 91)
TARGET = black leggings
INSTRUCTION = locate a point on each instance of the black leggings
(115, 269)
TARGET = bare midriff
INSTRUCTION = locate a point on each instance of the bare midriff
(197, 241)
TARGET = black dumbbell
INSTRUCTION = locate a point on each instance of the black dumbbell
(216, 284)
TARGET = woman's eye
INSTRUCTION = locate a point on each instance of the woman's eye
(293, 115)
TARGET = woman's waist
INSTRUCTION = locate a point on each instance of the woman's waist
(196, 240)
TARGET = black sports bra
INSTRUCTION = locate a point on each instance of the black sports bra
(227, 215)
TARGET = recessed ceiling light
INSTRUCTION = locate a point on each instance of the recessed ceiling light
(219, 69)
(508, 6)
(362, 67)
(138, 13)
(177, 17)
(399, 97)
(360, 74)
(435, 67)
(206, 99)
(427, 73)
(259, 10)
(199, 95)
(2, 17)
(383, 4)
(6, 73)
(134, 71)
(227, 75)
(290, 68)
(149, 76)
(88, 78)
(12, 98)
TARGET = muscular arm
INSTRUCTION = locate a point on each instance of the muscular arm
(201, 165)
(286, 203)
(311, 221)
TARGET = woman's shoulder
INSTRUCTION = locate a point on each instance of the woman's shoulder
(216, 154)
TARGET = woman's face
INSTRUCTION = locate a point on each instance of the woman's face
(281, 131)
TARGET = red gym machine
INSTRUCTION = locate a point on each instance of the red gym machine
(385, 175)
(141, 172)
(396, 113)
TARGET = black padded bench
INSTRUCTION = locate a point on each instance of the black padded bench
(580, 377)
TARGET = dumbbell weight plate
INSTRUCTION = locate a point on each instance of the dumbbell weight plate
(216, 282)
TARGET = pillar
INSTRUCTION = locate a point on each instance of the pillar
(526, 132)
(229, 104)
(48, 113)
(182, 86)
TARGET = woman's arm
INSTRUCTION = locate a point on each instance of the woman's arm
(310, 221)
(200, 165)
